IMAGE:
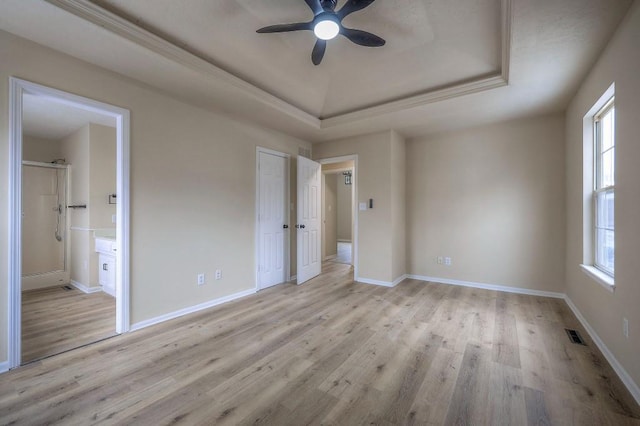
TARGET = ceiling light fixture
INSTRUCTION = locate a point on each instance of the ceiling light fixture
(326, 29)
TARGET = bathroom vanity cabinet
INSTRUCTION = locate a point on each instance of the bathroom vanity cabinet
(106, 249)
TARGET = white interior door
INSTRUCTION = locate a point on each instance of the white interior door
(272, 219)
(309, 220)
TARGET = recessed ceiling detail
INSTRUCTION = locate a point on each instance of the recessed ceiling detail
(434, 51)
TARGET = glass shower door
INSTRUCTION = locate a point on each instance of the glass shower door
(44, 235)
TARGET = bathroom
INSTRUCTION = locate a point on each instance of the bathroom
(68, 227)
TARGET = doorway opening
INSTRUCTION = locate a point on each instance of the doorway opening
(339, 213)
(69, 208)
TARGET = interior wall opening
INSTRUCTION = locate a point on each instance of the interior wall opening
(68, 262)
(339, 221)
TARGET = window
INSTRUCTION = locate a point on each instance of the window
(604, 187)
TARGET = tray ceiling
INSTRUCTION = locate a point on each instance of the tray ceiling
(430, 45)
(446, 65)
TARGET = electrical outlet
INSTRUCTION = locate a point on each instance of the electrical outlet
(440, 260)
(200, 279)
(625, 327)
(447, 261)
(218, 274)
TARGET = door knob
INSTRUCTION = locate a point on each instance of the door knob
(302, 226)
(285, 226)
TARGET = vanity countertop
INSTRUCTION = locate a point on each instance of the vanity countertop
(106, 245)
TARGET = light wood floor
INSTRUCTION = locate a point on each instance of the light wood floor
(55, 320)
(335, 352)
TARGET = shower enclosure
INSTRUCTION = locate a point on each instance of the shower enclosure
(44, 225)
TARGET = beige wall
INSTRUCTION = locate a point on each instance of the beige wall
(75, 149)
(398, 158)
(192, 183)
(344, 207)
(102, 157)
(330, 223)
(42, 150)
(373, 181)
(620, 63)
(492, 199)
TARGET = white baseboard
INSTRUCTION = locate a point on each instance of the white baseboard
(191, 309)
(4, 367)
(110, 291)
(381, 283)
(374, 282)
(343, 241)
(293, 278)
(484, 286)
(83, 288)
(399, 280)
(617, 367)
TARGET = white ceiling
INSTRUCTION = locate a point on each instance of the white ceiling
(446, 64)
(47, 119)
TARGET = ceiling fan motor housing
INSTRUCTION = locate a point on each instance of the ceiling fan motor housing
(329, 5)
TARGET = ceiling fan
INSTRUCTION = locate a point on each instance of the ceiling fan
(327, 24)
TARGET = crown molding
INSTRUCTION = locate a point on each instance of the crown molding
(99, 16)
(111, 22)
(454, 91)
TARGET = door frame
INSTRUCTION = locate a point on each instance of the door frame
(354, 205)
(324, 175)
(287, 214)
(18, 87)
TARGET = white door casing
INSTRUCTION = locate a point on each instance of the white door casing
(17, 87)
(309, 219)
(272, 218)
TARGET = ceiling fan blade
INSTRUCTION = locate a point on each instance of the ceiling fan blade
(362, 38)
(315, 6)
(283, 28)
(353, 6)
(318, 51)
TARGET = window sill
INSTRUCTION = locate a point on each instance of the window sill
(600, 277)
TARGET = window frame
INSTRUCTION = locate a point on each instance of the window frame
(598, 190)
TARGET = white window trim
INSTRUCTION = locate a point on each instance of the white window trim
(597, 190)
(602, 278)
(588, 264)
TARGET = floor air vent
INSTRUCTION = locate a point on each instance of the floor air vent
(575, 337)
(67, 287)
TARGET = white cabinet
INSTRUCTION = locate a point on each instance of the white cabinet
(106, 249)
(107, 272)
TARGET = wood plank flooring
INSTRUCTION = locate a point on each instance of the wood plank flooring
(55, 320)
(335, 352)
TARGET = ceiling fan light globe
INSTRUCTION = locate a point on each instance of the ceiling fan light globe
(326, 29)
